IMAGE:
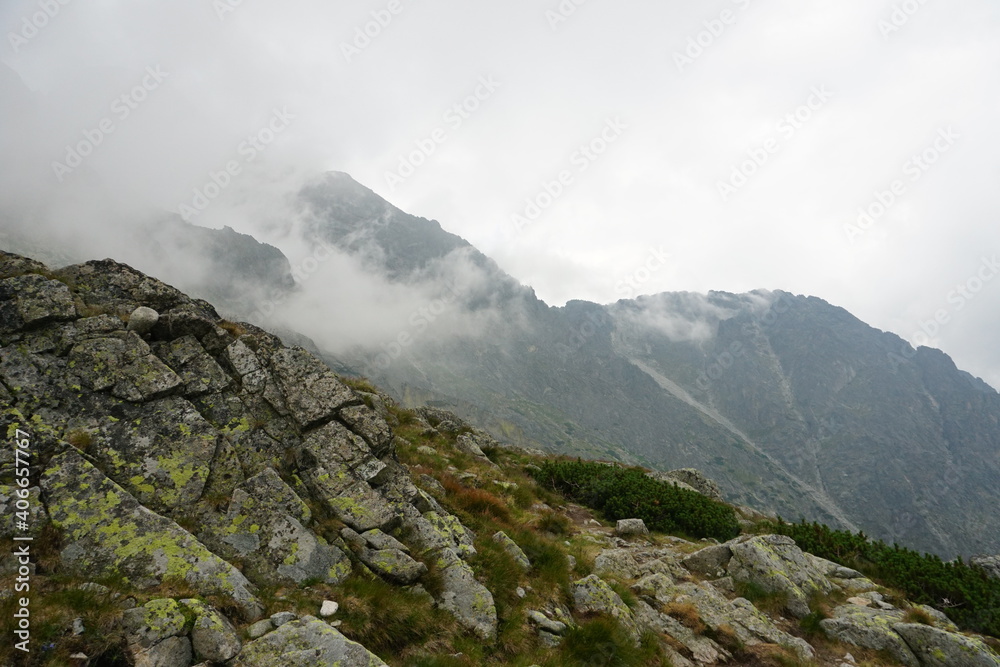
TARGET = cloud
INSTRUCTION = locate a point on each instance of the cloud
(657, 186)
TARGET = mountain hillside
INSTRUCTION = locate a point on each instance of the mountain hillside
(188, 490)
(789, 402)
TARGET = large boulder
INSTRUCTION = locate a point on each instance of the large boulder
(689, 478)
(937, 648)
(777, 565)
(593, 595)
(106, 532)
(213, 637)
(989, 563)
(870, 628)
(711, 561)
(307, 642)
(32, 300)
(464, 597)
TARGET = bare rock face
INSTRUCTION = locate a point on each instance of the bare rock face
(109, 533)
(305, 643)
(774, 563)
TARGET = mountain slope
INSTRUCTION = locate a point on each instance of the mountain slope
(789, 402)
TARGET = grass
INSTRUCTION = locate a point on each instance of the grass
(80, 439)
(601, 642)
(234, 329)
(687, 614)
(770, 602)
(918, 615)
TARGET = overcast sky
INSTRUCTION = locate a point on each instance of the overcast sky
(739, 137)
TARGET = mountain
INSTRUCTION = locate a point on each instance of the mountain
(789, 402)
(189, 490)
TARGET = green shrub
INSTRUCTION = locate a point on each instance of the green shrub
(626, 493)
(965, 593)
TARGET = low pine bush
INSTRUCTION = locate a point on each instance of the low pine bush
(627, 493)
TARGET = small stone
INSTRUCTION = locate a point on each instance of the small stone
(260, 628)
(282, 617)
(78, 626)
(861, 602)
(142, 320)
(850, 658)
(329, 608)
(424, 449)
(79, 660)
(520, 592)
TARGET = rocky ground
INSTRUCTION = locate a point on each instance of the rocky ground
(199, 493)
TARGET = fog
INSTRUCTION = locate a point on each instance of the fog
(846, 151)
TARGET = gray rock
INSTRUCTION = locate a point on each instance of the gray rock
(937, 648)
(171, 652)
(153, 622)
(379, 540)
(213, 637)
(305, 643)
(989, 563)
(711, 561)
(593, 595)
(511, 547)
(658, 587)
(106, 532)
(691, 479)
(162, 452)
(142, 320)
(547, 624)
(464, 597)
(869, 628)
(32, 300)
(260, 628)
(123, 363)
(774, 563)
(367, 423)
(200, 373)
(631, 528)
(312, 391)
(393, 565)
(282, 617)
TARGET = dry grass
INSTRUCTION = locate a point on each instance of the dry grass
(235, 329)
(687, 614)
(918, 615)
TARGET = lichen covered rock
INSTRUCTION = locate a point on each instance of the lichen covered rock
(108, 533)
(305, 643)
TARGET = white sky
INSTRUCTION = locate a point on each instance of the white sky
(654, 188)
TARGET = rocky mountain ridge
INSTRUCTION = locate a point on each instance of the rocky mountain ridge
(201, 493)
